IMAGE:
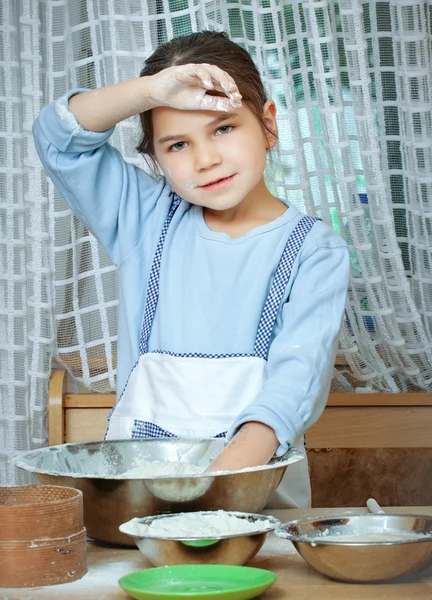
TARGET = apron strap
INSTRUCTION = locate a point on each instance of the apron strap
(153, 285)
(277, 289)
(278, 286)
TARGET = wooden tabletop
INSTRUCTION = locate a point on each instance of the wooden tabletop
(296, 580)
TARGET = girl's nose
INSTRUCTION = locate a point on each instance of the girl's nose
(207, 156)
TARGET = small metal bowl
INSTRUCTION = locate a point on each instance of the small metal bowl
(365, 561)
(229, 549)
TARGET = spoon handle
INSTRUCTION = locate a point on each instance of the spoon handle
(374, 507)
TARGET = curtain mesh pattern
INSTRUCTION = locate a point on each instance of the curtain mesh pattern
(352, 84)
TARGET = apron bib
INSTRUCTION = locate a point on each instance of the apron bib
(194, 395)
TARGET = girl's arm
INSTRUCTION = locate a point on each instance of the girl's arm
(300, 361)
(182, 87)
(102, 108)
(118, 202)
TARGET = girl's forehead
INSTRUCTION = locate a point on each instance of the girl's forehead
(171, 120)
(163, 115)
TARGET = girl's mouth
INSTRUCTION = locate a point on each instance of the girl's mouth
(218, 183)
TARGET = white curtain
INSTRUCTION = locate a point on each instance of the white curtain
(352, 82)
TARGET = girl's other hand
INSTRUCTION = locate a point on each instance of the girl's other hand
(190, 87)
(253, 445)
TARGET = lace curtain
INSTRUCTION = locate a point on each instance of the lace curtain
(352, 83)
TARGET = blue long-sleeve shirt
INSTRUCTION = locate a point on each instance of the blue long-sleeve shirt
(212, 287)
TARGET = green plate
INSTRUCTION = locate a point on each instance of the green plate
(197, 581)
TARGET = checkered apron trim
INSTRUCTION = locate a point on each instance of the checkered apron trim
(279, 284)
(271, 306)
(145, 429)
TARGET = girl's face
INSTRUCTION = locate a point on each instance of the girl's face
(213, 159)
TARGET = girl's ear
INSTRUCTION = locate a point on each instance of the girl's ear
(269, 119)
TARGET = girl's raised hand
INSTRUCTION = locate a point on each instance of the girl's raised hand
(189, 87)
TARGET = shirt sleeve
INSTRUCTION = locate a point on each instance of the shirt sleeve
(113, 198)
(302, 355)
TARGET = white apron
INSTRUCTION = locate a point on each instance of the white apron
(200, 395)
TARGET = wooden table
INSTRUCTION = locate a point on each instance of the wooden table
(296, 580)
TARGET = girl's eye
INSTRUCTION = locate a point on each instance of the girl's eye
(224, 129)
(177, 146)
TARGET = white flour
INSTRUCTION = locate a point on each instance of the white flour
(66, 115)
(149, 469)
(178, 489)
(381, 536)
(198, 525)
(99, 583)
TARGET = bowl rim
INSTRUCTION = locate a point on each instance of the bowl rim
(282, 533)
(275, 523)
(294, 455)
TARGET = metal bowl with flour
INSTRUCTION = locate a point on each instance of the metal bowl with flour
(365, 547)
(209, 537)
(115, 491)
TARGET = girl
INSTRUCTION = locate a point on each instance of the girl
(230, 300)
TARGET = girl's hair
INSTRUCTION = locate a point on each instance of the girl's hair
(205, 47)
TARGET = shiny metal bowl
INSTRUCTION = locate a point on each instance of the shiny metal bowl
(350, 560)
(227, 549)
(110, 498)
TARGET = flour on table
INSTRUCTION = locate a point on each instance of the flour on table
(198, 525)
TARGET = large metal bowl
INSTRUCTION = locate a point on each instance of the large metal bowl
(110, 498)
(227, 549)
(346, 559)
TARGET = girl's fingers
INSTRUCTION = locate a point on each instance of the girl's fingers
(198, 72)
(212, 77)
(227, 83)
(216, 103)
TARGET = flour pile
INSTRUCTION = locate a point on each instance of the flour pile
(198, 525)
(146, 469)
